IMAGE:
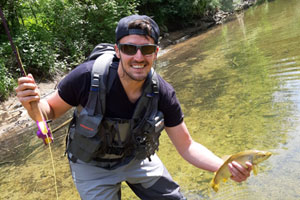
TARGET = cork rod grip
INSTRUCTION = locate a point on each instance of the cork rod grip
(37, 114)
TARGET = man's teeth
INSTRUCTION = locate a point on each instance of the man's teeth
(137, 66)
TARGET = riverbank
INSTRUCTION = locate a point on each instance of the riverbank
(206, 22)
(14, 118)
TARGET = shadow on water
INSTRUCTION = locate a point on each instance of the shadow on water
(239, 89)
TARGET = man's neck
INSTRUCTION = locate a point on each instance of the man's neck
(132, 88)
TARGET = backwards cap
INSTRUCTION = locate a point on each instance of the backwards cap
(123, 30)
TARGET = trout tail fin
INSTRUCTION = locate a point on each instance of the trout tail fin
(214, 185)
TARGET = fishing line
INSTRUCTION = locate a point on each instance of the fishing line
(53, 167)
(18, 58)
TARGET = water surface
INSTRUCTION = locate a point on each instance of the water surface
(239, 89)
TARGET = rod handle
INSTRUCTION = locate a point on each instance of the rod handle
(38, 116)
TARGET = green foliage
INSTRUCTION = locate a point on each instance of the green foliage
(7, 82)
(57, 35)
(227, 5)
(37, 55)
(213, 4)
(77, 26)
(175, 14)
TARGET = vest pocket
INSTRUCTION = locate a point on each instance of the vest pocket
(87, 125)
(86, 141)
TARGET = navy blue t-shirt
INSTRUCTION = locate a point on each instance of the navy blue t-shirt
(74, 90)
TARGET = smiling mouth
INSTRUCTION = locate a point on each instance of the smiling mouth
(138, 66)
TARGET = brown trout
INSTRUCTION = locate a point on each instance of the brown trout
(252, 156)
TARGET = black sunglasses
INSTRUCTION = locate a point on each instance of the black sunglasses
(131, 49)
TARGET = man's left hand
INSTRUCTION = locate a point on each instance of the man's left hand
(239, 173)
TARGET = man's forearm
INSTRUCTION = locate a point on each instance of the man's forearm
(191, 151)
(201, 157)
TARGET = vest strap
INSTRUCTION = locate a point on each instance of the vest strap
(100, 70)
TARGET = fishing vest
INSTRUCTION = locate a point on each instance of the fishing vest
(92, 136)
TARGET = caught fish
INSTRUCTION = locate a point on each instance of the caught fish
(252, 156)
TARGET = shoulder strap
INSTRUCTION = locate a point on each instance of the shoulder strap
(155, 90)
(98, 87)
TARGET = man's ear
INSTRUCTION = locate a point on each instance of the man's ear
(156, 52)
(117, 51)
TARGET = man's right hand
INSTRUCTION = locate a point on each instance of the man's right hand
(27, 91)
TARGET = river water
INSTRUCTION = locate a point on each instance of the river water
(238, 84)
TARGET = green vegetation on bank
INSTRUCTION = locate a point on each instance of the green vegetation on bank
(55, 35)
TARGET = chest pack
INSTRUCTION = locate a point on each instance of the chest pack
(92, 136)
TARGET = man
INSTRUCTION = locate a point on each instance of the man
(116, 152)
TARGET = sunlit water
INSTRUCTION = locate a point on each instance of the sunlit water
(239, 89)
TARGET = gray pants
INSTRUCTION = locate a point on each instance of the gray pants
(148, 180)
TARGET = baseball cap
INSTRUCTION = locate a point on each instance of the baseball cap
(123, 30)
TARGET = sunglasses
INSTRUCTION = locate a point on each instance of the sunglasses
(131, 49)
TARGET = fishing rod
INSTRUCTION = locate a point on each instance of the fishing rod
(43, 131)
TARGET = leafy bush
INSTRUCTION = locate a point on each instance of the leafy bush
(77, 26)
(7, 83)
(56, 35)
(37, 56)
(176, 14)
